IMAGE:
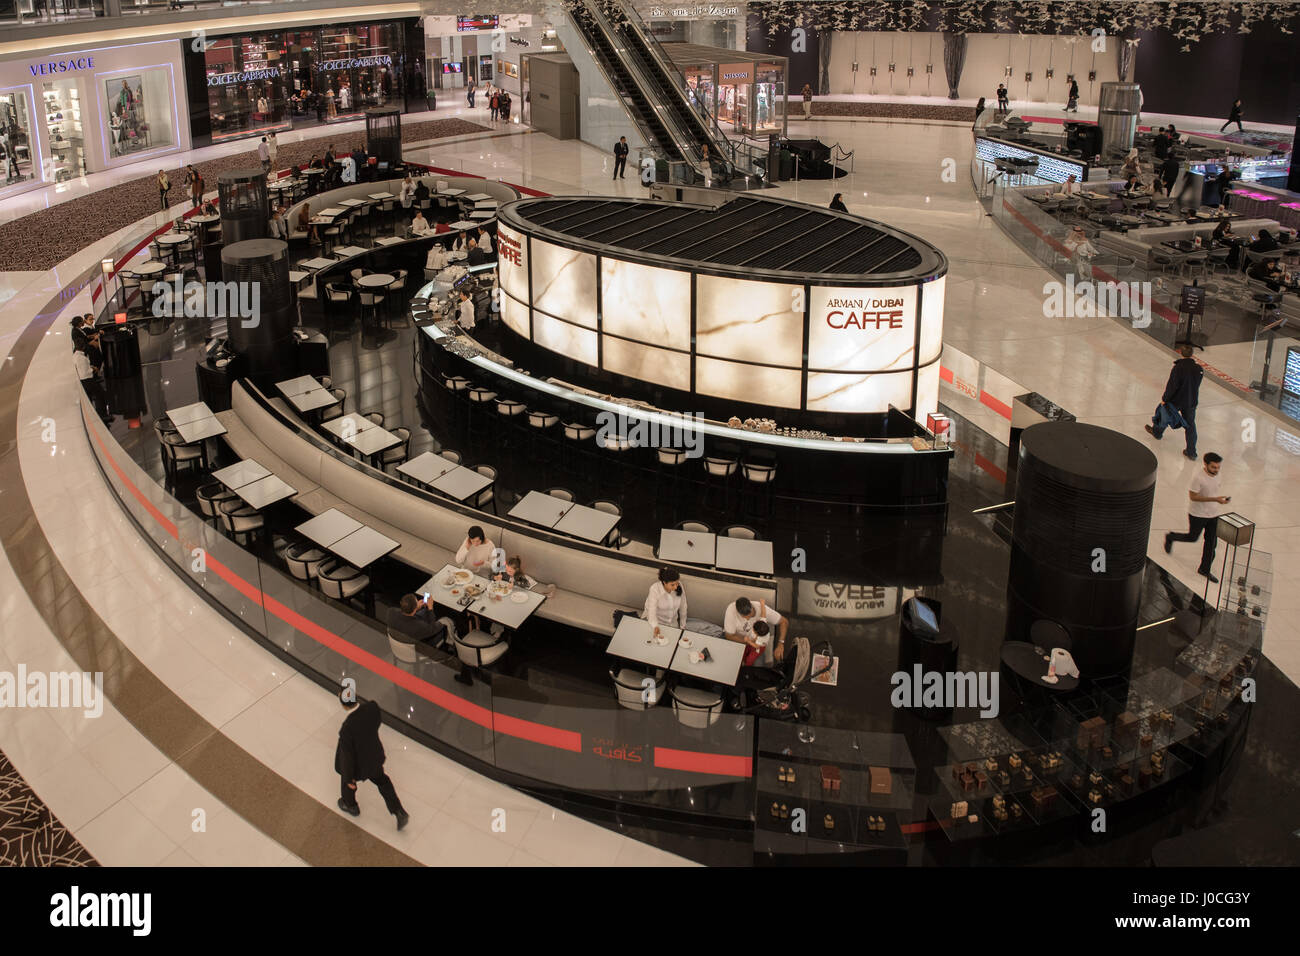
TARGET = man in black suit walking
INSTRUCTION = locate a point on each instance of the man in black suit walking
(360, 756)
(620, 157)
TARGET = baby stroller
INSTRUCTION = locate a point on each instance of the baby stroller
(773, 692)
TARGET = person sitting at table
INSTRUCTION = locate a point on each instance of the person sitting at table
(1078, 245)
(420, 226)
(739, 625)
(514, 574)
(360, 157)
(665, 604)
(413, 618)
(315, 162)
(1071, 185)
(461, 242)
(421, 191)
(1131, 165)
(465, 310)
(277, 228)
(476, 551)
(437, 259)
(305, 224)
(210, 208)
(1265, 242)
(407, 192)
(485, 241)
(1270, 272)
(473, 254)
(1223, 231)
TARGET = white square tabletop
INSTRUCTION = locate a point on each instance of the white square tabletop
(381, 196)
(724, 667)
(189, 413)
(351, 251)
(477, 197)
(540, 509)
(742, 554)
(506, 611)
(201, 429)
(328, 527)
(240, 473)
(590, 524)
(460, 483)
(310, 401)
(426, 467)
(363, 546)
(265, 491)
(296, 386)
(389, 240)
(688, 547)
(319, 263)
(633, 640)
(349, 424)
(373, 440)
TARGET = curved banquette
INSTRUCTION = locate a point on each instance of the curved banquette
(591, 582)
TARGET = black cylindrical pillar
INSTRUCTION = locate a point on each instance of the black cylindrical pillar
(384, 136)
(257, 272)
(1079, 542)
(245, 209)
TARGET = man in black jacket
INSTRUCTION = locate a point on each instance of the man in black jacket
(1169, 174)
(360, 756)
(1182, 392)
(413, 622)
(620, 157)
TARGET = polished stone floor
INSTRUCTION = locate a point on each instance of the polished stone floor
(129, 801)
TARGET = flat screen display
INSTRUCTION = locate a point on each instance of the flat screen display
(862, 329)
(477, 23)
(646, 303)
(923, 616)
(564, 282)
(749, 321)
(1291, 377)
(451, 68)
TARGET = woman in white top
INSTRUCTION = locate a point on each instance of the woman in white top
(665, 605)
(476, 551)
(407, 193)
(420, 226)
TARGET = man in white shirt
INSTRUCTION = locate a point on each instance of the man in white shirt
(465, 311)
(420, 226)
(476, 552)
(272, 146)
(437, 259)
(738, 625)
(1203, 513)
(264, 154)
(485, 241)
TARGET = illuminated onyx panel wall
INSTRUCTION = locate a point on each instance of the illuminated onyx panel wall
(800, 346)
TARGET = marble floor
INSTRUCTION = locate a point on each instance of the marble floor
(128, 800)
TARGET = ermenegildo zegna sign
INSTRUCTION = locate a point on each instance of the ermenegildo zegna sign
(51, 67)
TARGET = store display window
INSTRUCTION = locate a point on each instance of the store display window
(246, 86)
(138, 111)
(62, 102)
(17, 143)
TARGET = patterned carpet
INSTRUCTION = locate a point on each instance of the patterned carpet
(29, 834)
(45, 238)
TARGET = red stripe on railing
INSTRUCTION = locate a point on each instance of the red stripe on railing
(538, 733)
(726, 765)
(999, 406)
(991, 468)
(149, 506)
(945, 374)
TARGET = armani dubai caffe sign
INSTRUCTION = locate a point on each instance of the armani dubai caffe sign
(70, 65)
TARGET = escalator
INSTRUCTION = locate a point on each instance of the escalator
(652, 90)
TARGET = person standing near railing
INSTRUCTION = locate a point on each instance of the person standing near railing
(807, 101)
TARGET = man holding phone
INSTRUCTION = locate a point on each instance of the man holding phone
(1203, 513)
(412, 622)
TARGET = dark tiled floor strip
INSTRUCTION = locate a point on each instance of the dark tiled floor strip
(317, 834)
(30, 835)
(69, 227)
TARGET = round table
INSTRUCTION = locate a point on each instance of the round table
(376, 280)
(150, 268)
(204, 220)
(1026, 663)
(172, 239)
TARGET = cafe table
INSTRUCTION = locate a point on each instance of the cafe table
(350, 251)
(389, 240)
(199, 430)
(332, 211)
(298, 278)
(425, 467)
(724, 666)
(265, 491)
(363, 546)
(204, 220)
(150, 267)
(460, 483)
(589, 524)
(312, 400)
(380, 197)
(172, 239)
(450, 191)
(318, 263)
(687, 547)
(376, 280)
(743, 554)
(296, 386)
(189, 413)
(476, 197)
(482, 215)
(633, 640)
(373, 440)
(352, 202)
(540, 509)
(464, 224)
(328, 527)
(347, 425)
(243, 472)
(510, 610)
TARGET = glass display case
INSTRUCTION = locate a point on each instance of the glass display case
(17, 150)
(62, 103)
(138, 111)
